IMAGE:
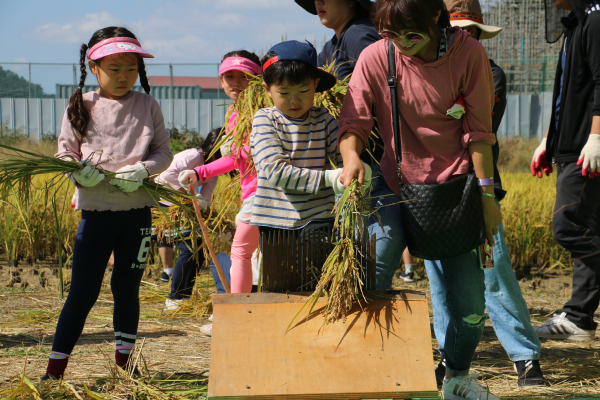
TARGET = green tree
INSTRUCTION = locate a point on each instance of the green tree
(13, 85)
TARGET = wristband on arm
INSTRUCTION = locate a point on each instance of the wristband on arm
(486, 182)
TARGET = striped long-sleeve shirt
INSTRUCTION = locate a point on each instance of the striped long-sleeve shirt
(290, 157)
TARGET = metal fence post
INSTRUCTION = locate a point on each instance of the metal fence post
(74, 77)
(171, 97)
(543, 74)
(29, 81)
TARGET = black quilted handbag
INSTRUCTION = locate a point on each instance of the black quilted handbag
(440, 220)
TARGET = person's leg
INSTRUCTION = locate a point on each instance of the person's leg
(225, 263)
(190, 266)
(576, 227)
(407, 273)
(131, 253)
(441, 314)
(507, 308)
(584, 300)
(464, 283)
(389, 234)
(93, 247)
(244, 243)
(166, 253)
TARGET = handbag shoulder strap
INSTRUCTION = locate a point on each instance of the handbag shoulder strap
(394, 102)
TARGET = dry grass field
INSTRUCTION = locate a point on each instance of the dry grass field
(173, 355)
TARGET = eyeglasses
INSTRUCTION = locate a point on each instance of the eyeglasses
(411, 36)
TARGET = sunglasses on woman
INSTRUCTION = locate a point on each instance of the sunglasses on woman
(411, 36)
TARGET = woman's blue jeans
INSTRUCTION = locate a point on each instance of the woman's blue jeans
(463, 279)
(504, 302)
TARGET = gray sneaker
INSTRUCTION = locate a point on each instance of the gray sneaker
(560, 328)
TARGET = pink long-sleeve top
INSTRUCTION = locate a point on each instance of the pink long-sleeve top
(120, 133)
(237, 159)
(187, 159)
(434, 145)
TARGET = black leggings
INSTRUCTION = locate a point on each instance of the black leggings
(127, 233)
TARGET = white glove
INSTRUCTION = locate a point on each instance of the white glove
(135, 175)
(590, 157)
(368, 176)
(331, 178)
(202, 202)
(186, 177)
(88, 176)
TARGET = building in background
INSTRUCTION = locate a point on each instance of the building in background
(182, 87)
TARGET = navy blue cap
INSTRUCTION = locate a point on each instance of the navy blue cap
(293, 50)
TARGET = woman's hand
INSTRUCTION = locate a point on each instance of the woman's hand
(353, 169)
(492, 216)
(350, 147)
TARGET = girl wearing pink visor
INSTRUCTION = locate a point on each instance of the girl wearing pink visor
(233, 73)
(123, 131)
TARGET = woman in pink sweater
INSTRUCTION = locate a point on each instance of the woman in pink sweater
(435, 65)
(233, 77)
(123, 131)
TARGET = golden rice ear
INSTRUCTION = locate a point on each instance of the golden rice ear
(340, 278)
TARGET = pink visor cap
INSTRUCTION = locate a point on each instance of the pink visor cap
(241, 64)
(117, 45)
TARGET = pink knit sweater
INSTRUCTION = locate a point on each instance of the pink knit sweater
(241, 160)
(434, 145)
(120, 133)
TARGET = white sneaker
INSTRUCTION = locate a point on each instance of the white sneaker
(206, 329)
(466, 387)
(560, 328)
(172, 305)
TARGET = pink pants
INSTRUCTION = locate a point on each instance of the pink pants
(244, 243)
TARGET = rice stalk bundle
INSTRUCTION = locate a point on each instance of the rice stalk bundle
(341, 275)
(333, 99)
(250, 100)
(18, 167)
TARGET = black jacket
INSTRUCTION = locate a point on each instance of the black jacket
(357, 35)
(498, 113)
(580, 99)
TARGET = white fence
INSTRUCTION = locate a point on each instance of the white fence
(39, 118)
(527, 116)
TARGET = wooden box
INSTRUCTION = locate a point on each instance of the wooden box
(380, 352)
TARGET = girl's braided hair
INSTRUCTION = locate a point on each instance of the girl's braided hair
(78, 115)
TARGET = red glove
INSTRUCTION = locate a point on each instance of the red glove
(539, 162)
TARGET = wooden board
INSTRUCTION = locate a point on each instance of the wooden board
(380, 352)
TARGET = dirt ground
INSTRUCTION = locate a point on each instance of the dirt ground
(30, 305)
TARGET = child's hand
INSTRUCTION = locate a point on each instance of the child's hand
(186, 177)
(130, 177)
(88, 176)
(331, 178)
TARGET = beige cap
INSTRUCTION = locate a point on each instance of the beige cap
(465, 13)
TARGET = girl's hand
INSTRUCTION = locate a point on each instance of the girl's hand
(353, 169)
(492, 216)
(186, 177)
(130, 177)
(88, 176)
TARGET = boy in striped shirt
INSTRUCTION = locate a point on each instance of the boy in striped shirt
(292, 144)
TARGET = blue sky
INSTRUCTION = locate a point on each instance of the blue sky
(186, 31)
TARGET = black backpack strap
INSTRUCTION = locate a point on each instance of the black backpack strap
(394, 103)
